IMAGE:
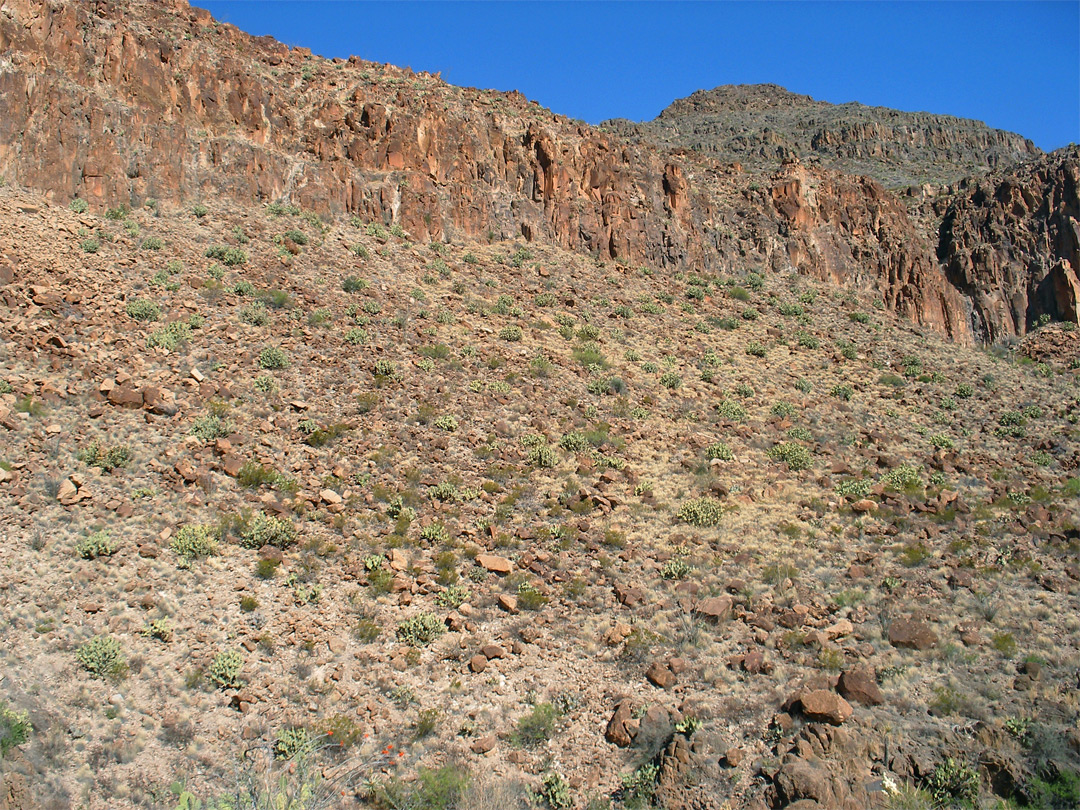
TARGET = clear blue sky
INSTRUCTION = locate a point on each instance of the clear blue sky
(1014, 65)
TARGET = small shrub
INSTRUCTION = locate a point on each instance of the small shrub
(99, 544)
(14, 729)
(266, 530)
(842, 391)
(510, 333)
(229, 256)
(78, 206)
(102, 657)
(292, 742)
(542, 456)
(420, 630)
(199, 210)
(142, 309)
(719, 451)
(954, 783)
(676, 568)
(530, 597)
(193, 542)
(794, 455)
(554, 792)
(669, 379)
(273, 357)
(170, 337)
(535, 727)
(701, 512)
(756, 349)
(224, 670)
(447, 423)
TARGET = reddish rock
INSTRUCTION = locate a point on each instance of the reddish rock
(660, 675)
(481, 745)
(124, 396)
(617, 732)
(478, 663)
(912, 634)
(860, 686)
(715, 608)
(825, 707)
(495, 564)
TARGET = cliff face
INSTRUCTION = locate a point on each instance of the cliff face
(760, 125)
(1011, 244)
(121, 102)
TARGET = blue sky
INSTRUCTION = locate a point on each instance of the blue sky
(1015, 66)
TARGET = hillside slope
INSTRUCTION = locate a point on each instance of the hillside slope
(120, 103)
(761, 124)
(518, 517)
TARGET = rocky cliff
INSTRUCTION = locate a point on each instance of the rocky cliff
(1010, 243)
(121, 102)
(760, 125)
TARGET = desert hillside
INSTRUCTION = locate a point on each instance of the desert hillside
(368, 442)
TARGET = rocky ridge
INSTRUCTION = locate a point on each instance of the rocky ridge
(118, 104)
(760, 125)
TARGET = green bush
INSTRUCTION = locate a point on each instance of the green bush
(420, 630)
(255, 314)
(536, 727)
(142, 309)
(719, 451)
(433, 789)
(194, 542)
(14, 729)
(272, 357)
(170, 337)
(199, 210)
(756, 349)
(102, 657)
(291, 742)
(447, 423)
(954, 784)
(842, 391)
(107, 459)
(554, 793)
(266, 530)
(794, 455)
(701, 512)
(99, 544)
(669, 379)
(225, 669)
(542, 456)
(229, 256)
(510, 333)
(78, 206)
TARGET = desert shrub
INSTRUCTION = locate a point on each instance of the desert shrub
(783, 409)
(224, 670)
(291, 742)
(954, 784)
(447, 423)
(170, 337)
(904, 477)
(255, 314)
(108, 459)
(161, 629)
(385, 369)
(756, 349)
(453, 597)
(433, 789)
(842, 391)
(530, 597)
(701, 512)
(574, 442)
(99, 544)
(542, 456)
(554, 793)
(14, 729)
(965, 390)
(229, 256)
(273, 357)
(420, 630)
(676, 568)
(639, 787)
(142, 309)
(510, 333)
(535, 727)
(91, 245)
(102, 657)
(199, 210)
(730, 410)
(194, 542)
(296, 237)
(262, 530)
(669, 379)
(78, 206)
(794, 455)
(853, 488)
(719, 451)
(941, 441)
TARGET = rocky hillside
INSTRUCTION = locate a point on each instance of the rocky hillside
(123, 103)
(298, 503)
(1010, 242)
(760, 125)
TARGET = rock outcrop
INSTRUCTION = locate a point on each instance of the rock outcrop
(1011, 244)
(761, 124)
